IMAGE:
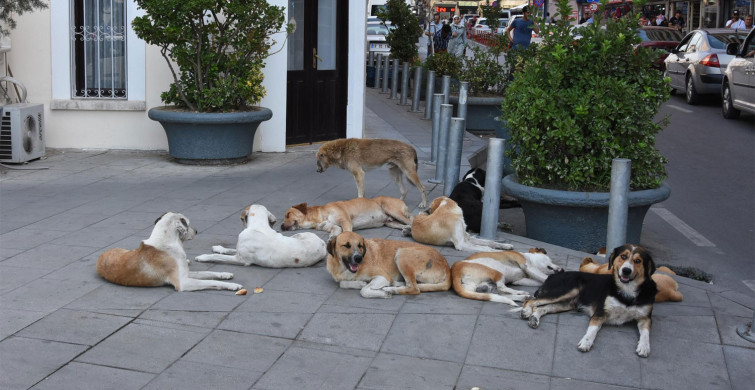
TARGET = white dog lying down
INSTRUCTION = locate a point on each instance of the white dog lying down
(259, 244)
(161, 260)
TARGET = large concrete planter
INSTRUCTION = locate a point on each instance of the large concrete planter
(482, 112)
(210, 138)
(578, 220)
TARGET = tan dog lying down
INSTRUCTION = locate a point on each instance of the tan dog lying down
(160, 260)
(383, 267)
(443, 223)
(349, 215)
(483, 276)
(360, 155)
(667, 286)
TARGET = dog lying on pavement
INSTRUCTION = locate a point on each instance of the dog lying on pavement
(443, 223)
(382, 267)
(161, 260)
(483, 276)
(468, 195)
(259, 244)
(360, 155)
(349, 215)
(667, 286)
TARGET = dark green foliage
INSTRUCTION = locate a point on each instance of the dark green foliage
(486, 76)
(576, 104)
(491, 13)
(405, 31)
(10, 7)
(218, 47)
(444, 64)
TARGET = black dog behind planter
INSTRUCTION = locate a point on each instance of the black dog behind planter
(468, 195)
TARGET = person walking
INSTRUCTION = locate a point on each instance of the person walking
(441, 39)
(458, 37)
(522, 29)
(735, 21)
(432, 28)
(677, 21)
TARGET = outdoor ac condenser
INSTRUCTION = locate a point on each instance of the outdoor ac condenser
(22, 135)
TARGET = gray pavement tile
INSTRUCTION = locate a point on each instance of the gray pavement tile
(496, 338)
(680, 309)
(739, 362)
(14, 277)
(45, 294)
(576, 384)
(210, 212)
(48, 256)
(390, 371)
(427, 336)
(723, 306)
(89, 376)
(696, 328)
(681, 364)
(202, 319)
(238, 350)
(285, 325)
(186, 375)
(121, 300)
(199, 301)
(84, 269)
(740, 298)
(727, 328)
(26, 238)
(495, 378)
(28, 361)
(446, 302)
(95, 237)
(358, 331)
(74, 326)
(315, 280)
(12, 320)
(349, 301)
(8, 226)
(249, 277)
(693, 296)
(136, 220)
(68, 221)
(142, 347)
(304, 368)
(272, 301)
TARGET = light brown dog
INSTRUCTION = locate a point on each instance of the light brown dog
(443, 223)
(667, 286)
(382, 267)
(360, 155)
(345, 216)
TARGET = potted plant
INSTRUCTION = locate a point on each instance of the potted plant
(574, 106)
(215, 50)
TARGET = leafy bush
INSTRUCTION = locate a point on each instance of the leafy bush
(576, 104)
(218, 47)
(486, 76)
(444, 64)
(11, 8)
(405, 31)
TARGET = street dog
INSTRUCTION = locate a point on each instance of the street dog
(468, 195)
(259, 244)
(360, 155)
(667, 286)
(483, 276)
(382, 267)
(349, 215)
(625, 295)
(161, 260)
(443, 223)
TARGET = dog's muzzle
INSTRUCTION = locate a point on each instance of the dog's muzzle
(292, 226)
(625, 274)
(352, 262)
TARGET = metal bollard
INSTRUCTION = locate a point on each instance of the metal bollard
(461, 110)
(745, 331)
(371, 59)
(386, 69)
(404, 84)
(446, 89)
(437, 101)
(618, 203)
(453, 155)
(378, 69)
(446, 110)
(491, 199)
(429, 94)
(417, 88)
(394, 79)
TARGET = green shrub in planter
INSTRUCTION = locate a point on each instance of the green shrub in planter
(576, 104)
(486, 76)
(404, 32)
(444, 64)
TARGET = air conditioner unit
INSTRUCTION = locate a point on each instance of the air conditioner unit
(22, 135)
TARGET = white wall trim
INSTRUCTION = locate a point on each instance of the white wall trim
(356, 78)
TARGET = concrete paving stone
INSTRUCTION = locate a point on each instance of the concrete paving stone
(273, 301)
(84, 269)
(315, 280)
(740, 298)
(446, 302)
(238, 350)
(8, 226)
(495, 339)
(285, 325)
(74, 326)
(202, 319)
(712, 287)
(723, 306)
(693, 296)
(350, 301)
(680, 309)
(427, 336)
(142, 347)
(739, 362)
(199, 301)
(186, 375)
(359, 331)
(28, 361)
(89, 376)
(136, 220)
(94, 237)
(304, 368)
(49, 256)
(12, 320)
(681, 364)
(160, 205)
(727, 328)
(495, 378)
(26, 238)
(390, 371)
(696, 328)
(14, 277)
(120, 300)
(575, 384)
(45, 295)
(68, 221)
(209, 212)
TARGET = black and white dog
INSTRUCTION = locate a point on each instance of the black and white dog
(468, 195)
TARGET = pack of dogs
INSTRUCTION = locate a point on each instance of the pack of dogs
(622, 290)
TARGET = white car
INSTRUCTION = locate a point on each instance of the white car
(376, 33)
(738, 84)
(481, 26)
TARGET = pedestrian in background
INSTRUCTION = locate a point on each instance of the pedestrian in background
(677, 20)
(458, 37)
(522, 30)
(430, 31)
(748, 22)
(441, 39)
(735, 21)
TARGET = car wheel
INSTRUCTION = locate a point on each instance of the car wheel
(727, 107)
(692, 96)
(672, 92)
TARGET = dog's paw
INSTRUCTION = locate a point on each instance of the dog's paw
(526, 312)
(201, 258)
(500, 245)
(235, 286)
(422, 205)
(534, 322)
(218, 249)
(584, 344)
(643, 349)
(225, 276)
(407, 231)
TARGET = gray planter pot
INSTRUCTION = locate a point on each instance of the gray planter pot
(578, 220)
(210, 138)
(482, 112)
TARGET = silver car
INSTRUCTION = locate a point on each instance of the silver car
(696, 65)
(738, 88)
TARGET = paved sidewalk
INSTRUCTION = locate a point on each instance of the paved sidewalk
(62, 327)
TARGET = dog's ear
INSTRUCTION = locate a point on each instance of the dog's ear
(332, 246)
(271, 219)
(243, 217)
(615, 253)
(182, 226)
(161, 217)
(301, 207)
(649, 263)
(538, 250)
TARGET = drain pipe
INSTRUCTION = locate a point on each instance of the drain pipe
(618, 204)
(491, 198)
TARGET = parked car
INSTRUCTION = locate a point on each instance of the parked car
(502, 24)
(738, 86)
(695, 65)
(481, 25)
(376, 33)
(663, 39)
